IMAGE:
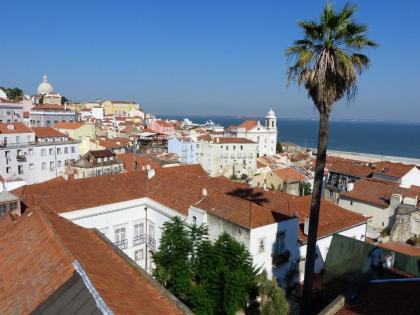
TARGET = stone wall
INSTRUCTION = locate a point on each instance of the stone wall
(407, 223)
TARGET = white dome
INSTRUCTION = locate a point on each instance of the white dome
(45, 87)
(271, 114)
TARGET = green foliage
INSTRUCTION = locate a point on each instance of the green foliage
(279, 148)
(328, 58)
(13, 94)
(273, 298)
(304, 189)
(211, 278)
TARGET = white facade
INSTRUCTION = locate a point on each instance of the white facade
(225, 156)
(411, 178)
(265, 136)
(98, 113)
(32, 161)
(11, 112)
(185, 148)
(124, 224)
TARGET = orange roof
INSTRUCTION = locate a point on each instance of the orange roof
(68, 125)
(47, 132)
(393, 169)
(349, 167)
(248, 124)
(40, 251)
(18, 127)
(48, 107)
(164, 123)
(289, 174)
(25, 114)
(402, 248)
(232, 140)
(128, 160)
(377, 192)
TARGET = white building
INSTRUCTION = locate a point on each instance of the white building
(265, 136)
(133, 218)
(11, 112)
(185, 147)
(34, 155)
(227, 155)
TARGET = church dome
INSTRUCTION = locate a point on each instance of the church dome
(45, 87)
(271, 114)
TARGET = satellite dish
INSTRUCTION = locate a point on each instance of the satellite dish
(150, 173)
(204, 192)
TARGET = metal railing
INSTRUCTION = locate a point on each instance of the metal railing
(139, 239)
(122, 244)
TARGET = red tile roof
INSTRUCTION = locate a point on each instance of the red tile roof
(48, 107)
(228, 140)
(18, 127)
(128, 160)
(289, 174)
(248, 124)
(68, 125)
(47, 132)
(393, 169)
(40, 250)
(402, 248)
(377, 192)
(354, 168)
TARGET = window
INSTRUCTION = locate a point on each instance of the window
(280, 245)
(151, 231)
(73, 150)
(234, 147)
(31, 166)
(194, 217)
(120, 239)
(261, 245)
(59, 163)
(138, 229)
(242, 147)
(2, 209)
(13, 206)
(138, 255)
(44, 166)
(20, 169)
(17, 139)
(58, 150)
(8, 170)
(51, 166)
(66, 150)
(351, 202)
(43, 152)
(31, 151)
(51, 151)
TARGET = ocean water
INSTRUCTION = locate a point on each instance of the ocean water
(381, 138)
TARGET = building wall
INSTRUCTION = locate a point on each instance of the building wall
(411, 178)
(186, 150)
(48, 119)
(266, 139)
(83, 134)
(41, 161)
(357, 232)
(11, 113)
(83, 172)
(221, 159)
(381, 217)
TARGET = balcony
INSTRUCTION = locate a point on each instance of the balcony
(122, 244)
(139, 239)
(21, 158)
(281, 258)
(151, 241)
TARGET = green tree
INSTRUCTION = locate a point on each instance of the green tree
(304, 188)
(273, 298)
(326, 61)
(173, 268)
(13, 94)
(279, 148)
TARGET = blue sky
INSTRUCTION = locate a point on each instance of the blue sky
(201, 57)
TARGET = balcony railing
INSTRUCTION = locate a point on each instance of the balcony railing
(139, 239)
(21, 158)
(281, 258)
(151, 241)
(122, 244)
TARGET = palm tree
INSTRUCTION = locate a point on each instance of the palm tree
(326, 62)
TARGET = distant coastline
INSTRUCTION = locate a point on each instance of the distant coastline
(381, 138)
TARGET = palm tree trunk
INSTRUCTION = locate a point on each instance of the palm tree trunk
(314, 214)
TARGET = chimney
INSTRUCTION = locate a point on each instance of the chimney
(350, 186)
(395, 200)
(306, 226)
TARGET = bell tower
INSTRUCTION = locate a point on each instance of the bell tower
(271, 120)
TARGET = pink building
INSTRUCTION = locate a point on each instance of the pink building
(161, 126)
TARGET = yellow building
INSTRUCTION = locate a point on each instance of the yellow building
(122, 108)
(78, 131)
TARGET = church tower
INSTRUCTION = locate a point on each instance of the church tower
(271, 121)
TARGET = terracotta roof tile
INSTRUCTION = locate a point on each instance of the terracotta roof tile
(248, 124)
(393, 169)
(47, 132)
(16, 127)
(68, 125)
(289, 174)
(402, 248)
